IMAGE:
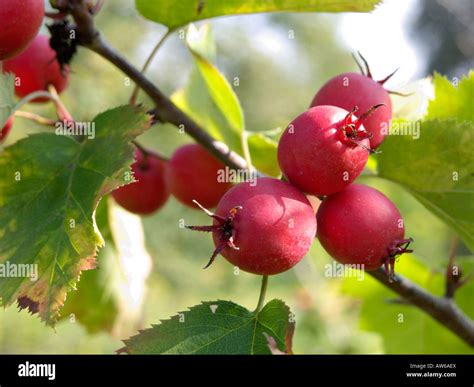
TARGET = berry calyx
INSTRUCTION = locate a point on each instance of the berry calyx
(149, 193)
(6, 129)
(324, 149)
(361, 226)
(192, 174)
(263, 227)
(352, 131)
(224, 227)
(20, 21)
(36, 68)
(352, 89)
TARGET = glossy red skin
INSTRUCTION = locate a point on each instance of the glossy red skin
(20, 21)
(36, 68)
(315, 156)
(352, 89)
(192, 174)
(357, 226)
(150, 192)
(6, 129)
(268, 244)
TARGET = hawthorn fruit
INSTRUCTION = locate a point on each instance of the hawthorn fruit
(37, 68)
(149, 193)
(324, 149)
(264, 227)
(360, 225)
(20, 21)
(192, 173)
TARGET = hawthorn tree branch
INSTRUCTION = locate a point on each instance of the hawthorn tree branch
(441, 309)
(165, 110)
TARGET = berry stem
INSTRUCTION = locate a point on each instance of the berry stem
(31, 97)
(263, 291)
(35, 118)
(136, 90)
(147, 152)
(61, 110)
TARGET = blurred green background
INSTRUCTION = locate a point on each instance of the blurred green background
(280, 60)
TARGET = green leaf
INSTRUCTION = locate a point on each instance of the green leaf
(210, 100)
(219, 327)
(201, 41)
(177, 13)
(452, 101)
(94, 304)
(50, 186)
(7, 97)
(195, 101)
(437, 167)
(201, 98)
(110, 299)
(220, 91)
(263, 150)
(405, 328)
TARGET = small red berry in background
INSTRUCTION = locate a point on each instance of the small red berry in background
(192, 173)
(149, 193)
(20, 22)
(37, 68)
(6, 129)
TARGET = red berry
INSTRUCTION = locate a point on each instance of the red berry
(323, 150)
(149, 192)
(6, 129)
(263, 227)
(36, 68)
(193, 174)
(360, 225)
(352, 89)
(20, 22)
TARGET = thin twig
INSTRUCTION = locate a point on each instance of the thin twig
(61, 110)
(136, 89)
(443, 310)
(165, 110)
(149, 152)
(35, 118)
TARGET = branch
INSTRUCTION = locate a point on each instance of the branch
(441, 309)
(165, 110)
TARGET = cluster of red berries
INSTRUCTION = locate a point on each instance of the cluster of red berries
(267, 225)
(28, 54)
(190, 174)
(264, 226)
